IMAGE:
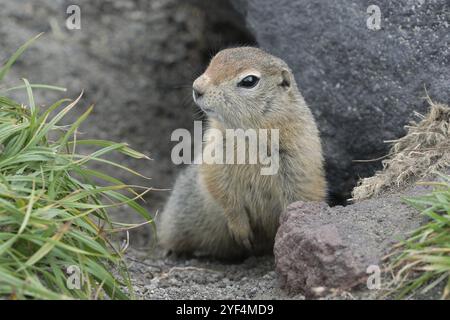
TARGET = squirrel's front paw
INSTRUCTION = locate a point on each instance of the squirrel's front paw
(241, 232)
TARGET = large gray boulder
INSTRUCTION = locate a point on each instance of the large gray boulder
(361, 84)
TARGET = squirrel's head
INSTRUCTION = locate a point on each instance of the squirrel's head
(243, 86)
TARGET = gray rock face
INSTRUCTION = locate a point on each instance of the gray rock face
(318, 246)
(361, 84)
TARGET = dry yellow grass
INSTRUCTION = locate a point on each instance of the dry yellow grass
(423, 151)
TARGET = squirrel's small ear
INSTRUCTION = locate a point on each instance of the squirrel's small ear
(285, 79)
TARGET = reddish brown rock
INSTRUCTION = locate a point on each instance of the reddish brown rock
(321, 247)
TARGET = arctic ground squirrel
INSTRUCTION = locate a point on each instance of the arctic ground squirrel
(230, 211)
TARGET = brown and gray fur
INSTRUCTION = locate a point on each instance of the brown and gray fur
(231, 211)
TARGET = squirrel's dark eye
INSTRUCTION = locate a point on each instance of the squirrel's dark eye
(248, 82)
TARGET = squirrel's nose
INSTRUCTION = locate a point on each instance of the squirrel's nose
(199, 87)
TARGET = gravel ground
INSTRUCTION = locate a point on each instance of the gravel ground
(157, 277)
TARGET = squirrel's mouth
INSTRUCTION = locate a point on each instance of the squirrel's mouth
(205, 109)
(208, 110)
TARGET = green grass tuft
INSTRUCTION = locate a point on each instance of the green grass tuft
(53, 209)
(422, 262)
